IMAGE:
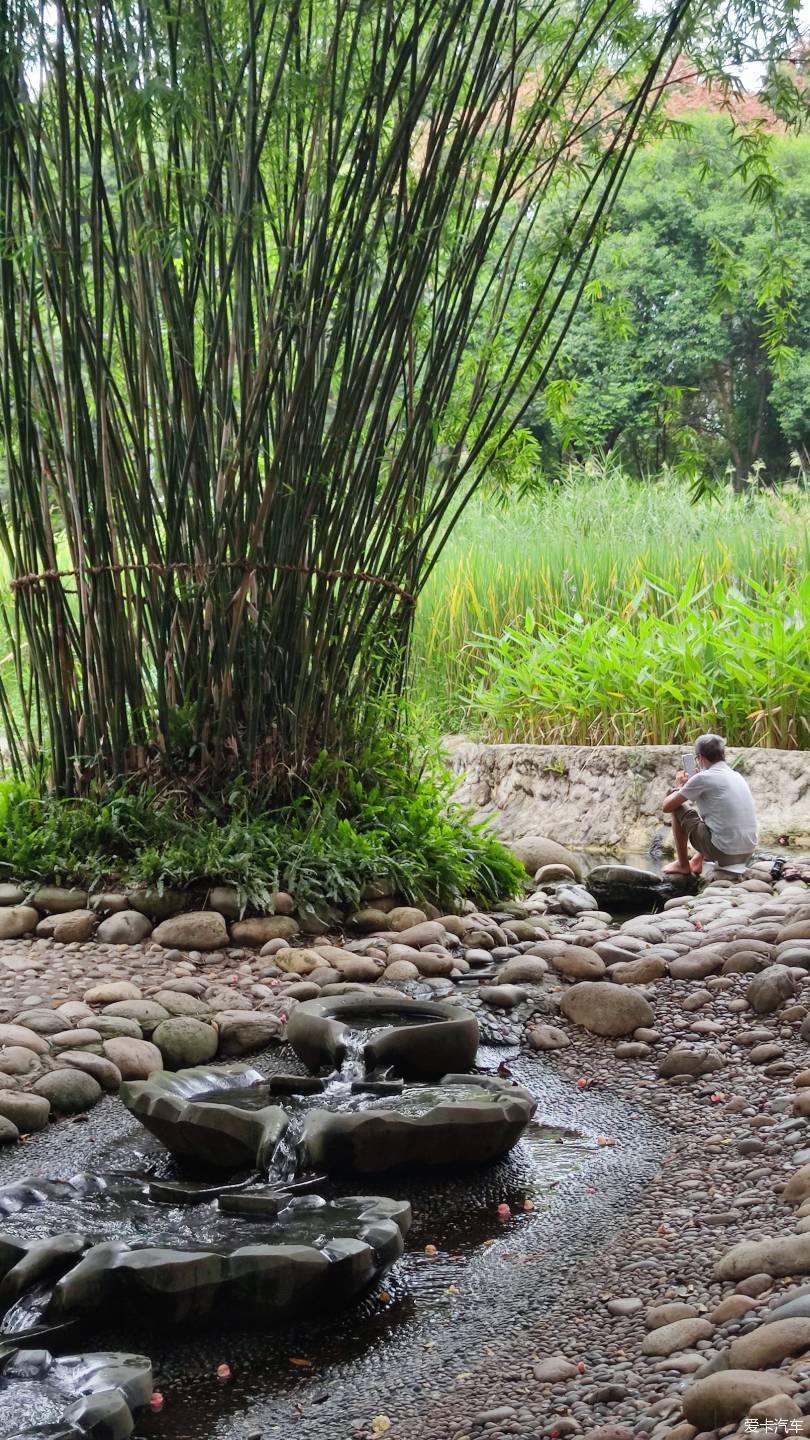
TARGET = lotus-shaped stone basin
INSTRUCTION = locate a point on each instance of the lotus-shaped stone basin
(251, 1254)
(91, 1395)
(419, 1039)
(344, 1128)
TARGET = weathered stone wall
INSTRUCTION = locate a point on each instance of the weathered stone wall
(610, 796)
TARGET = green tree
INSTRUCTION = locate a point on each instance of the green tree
(693, 344)
(257, 268)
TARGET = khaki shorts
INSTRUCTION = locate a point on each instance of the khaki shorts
(701, 838)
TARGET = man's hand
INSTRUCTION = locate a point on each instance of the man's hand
(681, 779)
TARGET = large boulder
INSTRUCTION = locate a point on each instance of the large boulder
(798, 1186)
(69, 1091)
(579, 962)
(242, 1032)
(110, 991)
(157, 904)
(58, 900)
(135, 1059)
(687, 1060)
(70, 927)
(194, 930)
(533, 851)
(769, 990)
(184, 1042)
(777, 1255)
(256, 931)
(127, 927)
(17, 920)
(27, 1112)
(20, 1035)
(770, 1344)
(146, 1013)
(606, 1009)
(680, 1335)
(726, 1396)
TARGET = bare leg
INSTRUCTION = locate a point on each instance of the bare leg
(680, 865)
(696, 863)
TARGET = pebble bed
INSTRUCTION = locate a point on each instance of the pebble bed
(707, 1009)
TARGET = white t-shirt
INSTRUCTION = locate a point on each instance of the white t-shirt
(725, 803)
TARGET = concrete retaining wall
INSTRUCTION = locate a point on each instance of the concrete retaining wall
(609, 797)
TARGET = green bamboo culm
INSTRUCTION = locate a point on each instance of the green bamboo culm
(256, 265)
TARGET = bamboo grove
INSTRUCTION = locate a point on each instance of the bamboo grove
(256, 271)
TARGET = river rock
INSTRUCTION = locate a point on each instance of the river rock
(127, 927)
(146, 1013)
(297, 962)
(579, 962)
(19, 1060)
(361, 968)
(668, 1313)
(111, 1027)
(109, 902)
(27, 1112)
(12, 895)
(574, 900)
(798, 1186)
(136, 1059)
(702, 962)
(8, 1131)
(20, 1035)
(547, 1037)
(184, 1042)
(68, 928)
(769, 1344)
(725, 1397)
(770, 989)
(194, 930)
(533, 851)
(796, 930)
(680, 1335)
(111, 991)
(42, 1022)
(430, 932)
(681, 1060)
(178, 1003)
(399, 970)
(549, 874)
(503, 997)
(59, 900)
(101, 1069)
(369, 920)
(243, 1032)
(69, 1091)
(606, 1009)
(777, 1255)
(258, 929)
(430, 965)
(523, 970)
(554, 1369)
(17, 920)
(158, 904)
(75, 1039)
(638, 972)
(404, 917)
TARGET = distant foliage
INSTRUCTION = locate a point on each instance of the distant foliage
(648, 610)
(692, 346)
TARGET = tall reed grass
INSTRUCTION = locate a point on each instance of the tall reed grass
(647, 614)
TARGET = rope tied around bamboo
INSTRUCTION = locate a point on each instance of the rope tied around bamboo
(44, 577)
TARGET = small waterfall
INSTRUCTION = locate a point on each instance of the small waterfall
(284, 1162)
(27, 1312)
(353, 1065)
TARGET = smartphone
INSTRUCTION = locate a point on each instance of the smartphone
(689, 764)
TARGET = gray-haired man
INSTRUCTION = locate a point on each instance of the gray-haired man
(714, 809)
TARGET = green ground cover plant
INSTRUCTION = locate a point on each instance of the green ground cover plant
(606, 610)
(351, 829)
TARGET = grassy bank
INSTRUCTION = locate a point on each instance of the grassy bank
(607, 611)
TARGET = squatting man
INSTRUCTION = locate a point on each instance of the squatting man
(713, 809)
